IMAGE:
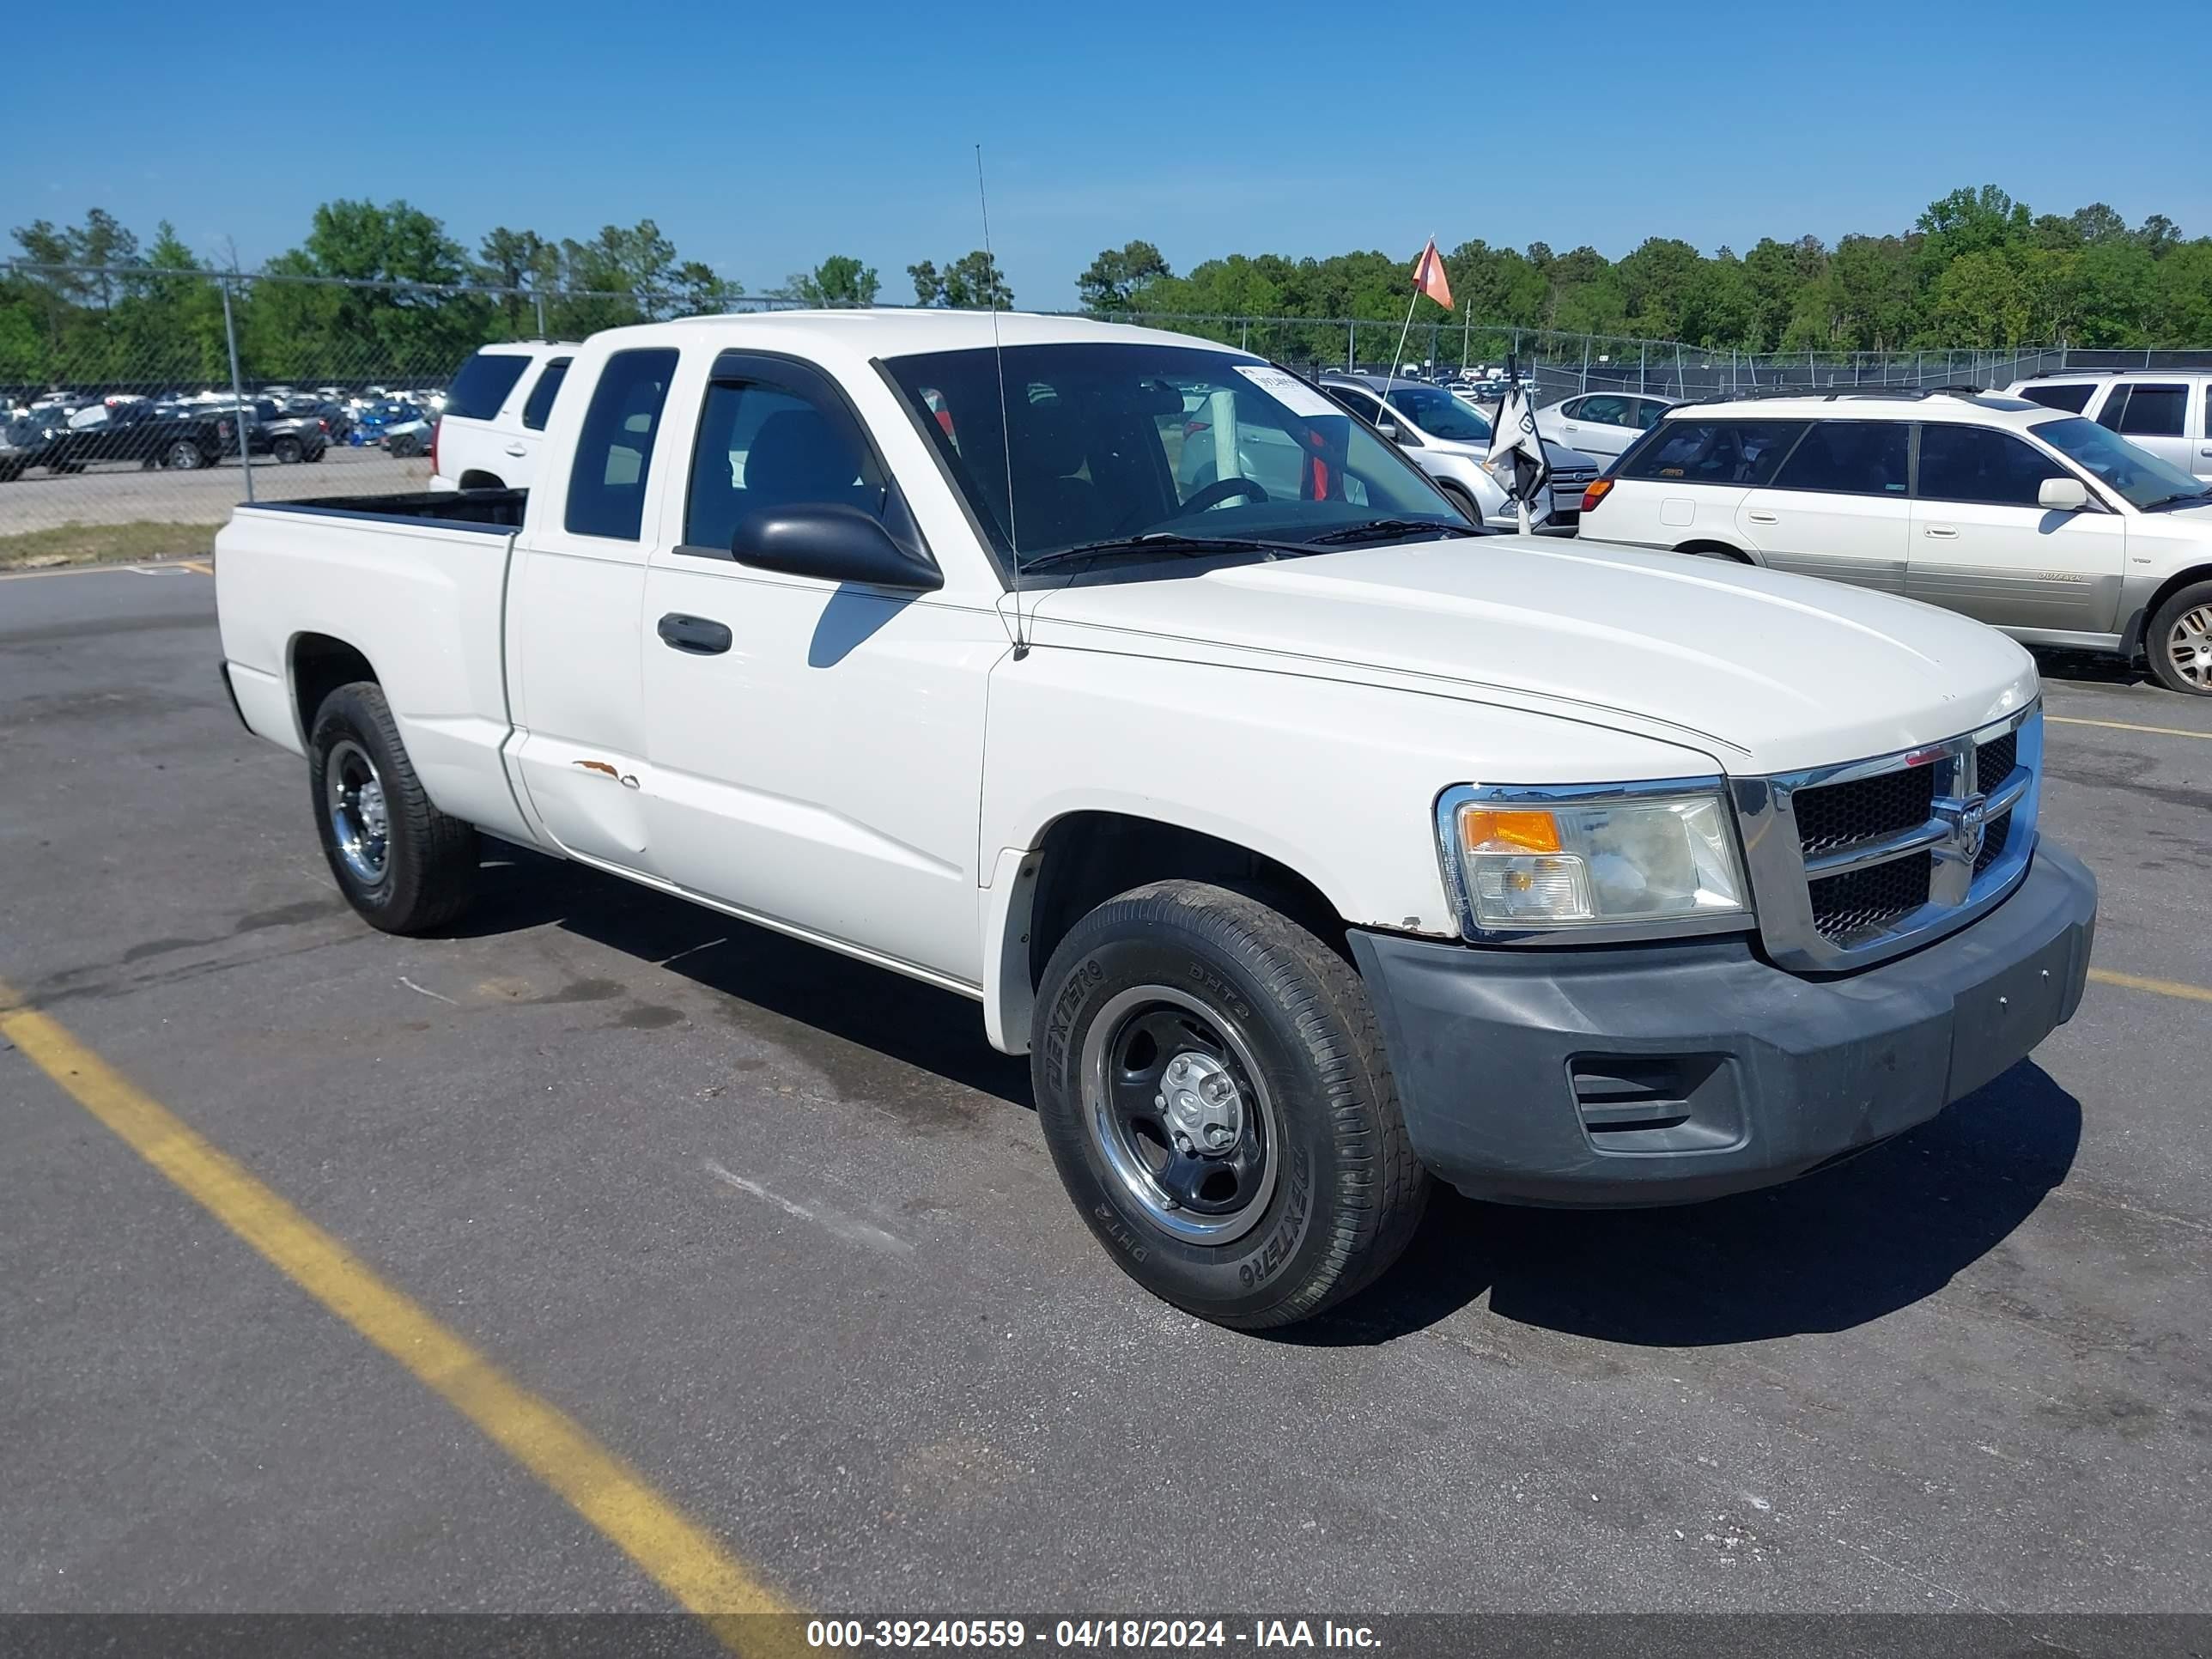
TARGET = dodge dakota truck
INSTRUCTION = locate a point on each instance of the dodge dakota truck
(1313, 845)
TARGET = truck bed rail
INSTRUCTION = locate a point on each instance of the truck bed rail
(448, 509)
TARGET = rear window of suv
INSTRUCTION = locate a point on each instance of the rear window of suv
(483, 385)
(1715, 451)
(540, 403)
(2071, 399)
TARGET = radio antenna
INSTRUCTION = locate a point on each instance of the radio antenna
(1006, 435)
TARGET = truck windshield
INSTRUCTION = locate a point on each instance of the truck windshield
(2147, 480)
(1110, 441)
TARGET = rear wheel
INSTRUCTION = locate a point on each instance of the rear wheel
(2179, 642)
(1211, 1086)
(183, 456)
(288, 450)
(401, 864)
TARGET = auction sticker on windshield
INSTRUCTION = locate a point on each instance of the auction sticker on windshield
(1287, 389)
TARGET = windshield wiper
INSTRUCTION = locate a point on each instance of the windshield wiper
(1161, 541)
(2198, 496)
(1379, 528)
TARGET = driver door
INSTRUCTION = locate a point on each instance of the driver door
(817, 746)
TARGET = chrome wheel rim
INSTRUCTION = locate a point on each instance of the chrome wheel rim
(1177, 1108)
(2189, 647)
(360, 824)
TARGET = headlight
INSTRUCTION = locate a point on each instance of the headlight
(1541, 859)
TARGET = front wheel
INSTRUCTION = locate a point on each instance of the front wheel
(1212, 1085)
(2179, 642)
(1466, 504)
(402, 865)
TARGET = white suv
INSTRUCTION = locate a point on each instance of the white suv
(494, 420)
(2168, 414)
(2036, 522)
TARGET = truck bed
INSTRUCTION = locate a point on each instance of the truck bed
(414, 588)
(462, 509)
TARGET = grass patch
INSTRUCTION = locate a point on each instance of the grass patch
(106, 544)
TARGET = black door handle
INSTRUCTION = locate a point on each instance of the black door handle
(696, 634)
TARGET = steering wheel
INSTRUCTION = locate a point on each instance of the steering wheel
(1220, 490)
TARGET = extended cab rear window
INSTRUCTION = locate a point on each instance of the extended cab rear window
(614, 452)
(483, 385)
(1715, 451)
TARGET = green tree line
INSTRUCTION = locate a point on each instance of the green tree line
(1976, 269)
(150, 315)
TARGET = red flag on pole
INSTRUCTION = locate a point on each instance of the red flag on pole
(1429, 276)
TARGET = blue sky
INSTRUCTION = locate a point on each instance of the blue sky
(762, 137)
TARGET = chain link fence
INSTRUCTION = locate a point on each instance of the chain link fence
(139, 405)
(1562, 364)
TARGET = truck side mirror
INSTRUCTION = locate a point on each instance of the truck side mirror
(2063, 494)
(833, 543)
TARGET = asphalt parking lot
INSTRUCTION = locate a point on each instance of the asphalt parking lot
(778, 1233)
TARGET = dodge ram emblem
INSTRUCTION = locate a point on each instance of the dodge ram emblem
(1970, 822)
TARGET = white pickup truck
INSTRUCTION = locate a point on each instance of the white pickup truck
(1311, 845)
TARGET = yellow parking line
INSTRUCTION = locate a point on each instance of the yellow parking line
(2165, 988)
(199, 565)
(678, 1553)
(2123, 725)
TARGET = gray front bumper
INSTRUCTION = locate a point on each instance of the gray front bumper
(1666, 1074)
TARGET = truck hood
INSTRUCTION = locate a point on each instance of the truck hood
(1765, 672)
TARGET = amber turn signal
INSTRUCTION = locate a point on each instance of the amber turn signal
(1485, 829)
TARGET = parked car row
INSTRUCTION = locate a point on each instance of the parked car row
(152, 435)
(179, 431)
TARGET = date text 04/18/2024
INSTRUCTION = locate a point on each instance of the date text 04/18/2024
(1088, 1634)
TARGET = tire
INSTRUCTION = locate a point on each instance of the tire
(287, 450)
(184, 456)
(421, 871)
(2179, 642)
(10, 472)
(1466, 504)
(1318, 1192)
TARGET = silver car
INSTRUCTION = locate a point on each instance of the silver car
(1448, 438)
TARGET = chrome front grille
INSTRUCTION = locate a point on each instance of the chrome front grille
(1851, 864)
(1864, 809)
(1870, 900)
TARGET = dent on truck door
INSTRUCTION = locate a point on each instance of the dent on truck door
(573, 633)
